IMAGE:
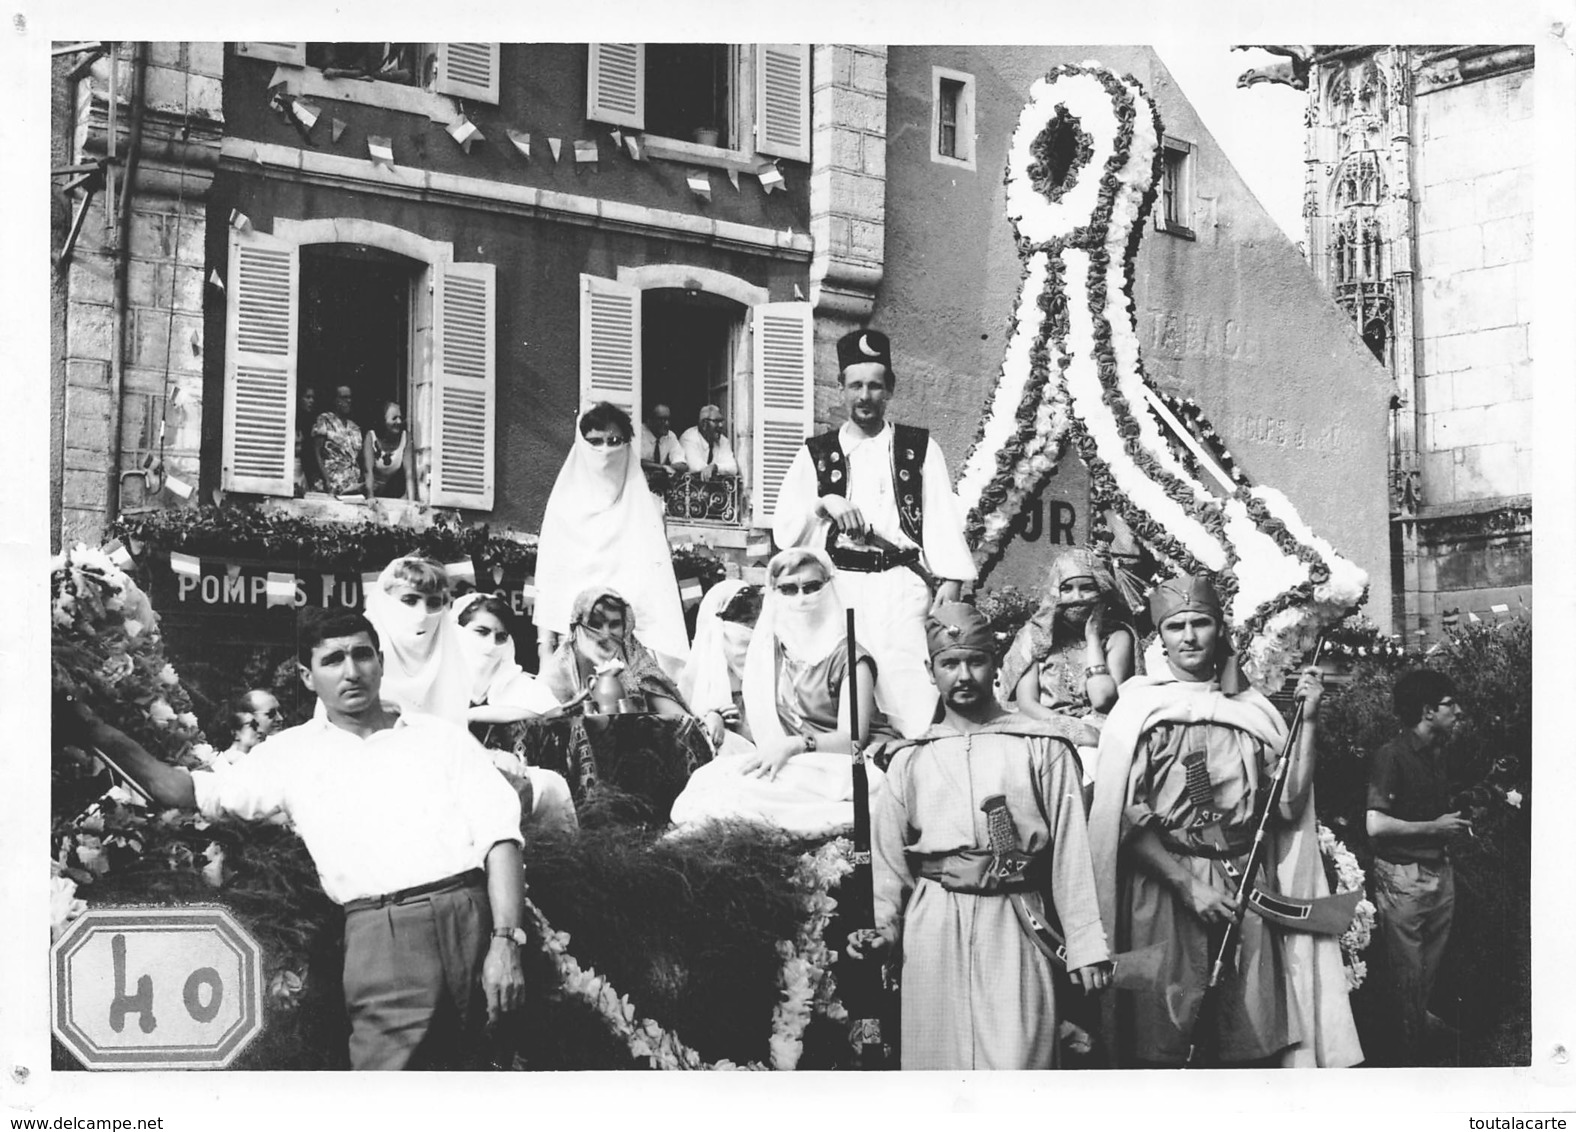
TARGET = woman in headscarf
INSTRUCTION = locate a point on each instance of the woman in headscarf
(604, 634)
(1074, 653)
(602, 529)
(423, 670)
(712, 681)
(800, 776)
(501, 691)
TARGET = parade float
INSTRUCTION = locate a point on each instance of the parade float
(719, 949)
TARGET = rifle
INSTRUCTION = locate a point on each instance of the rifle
(1203, 1021)
(864, 987)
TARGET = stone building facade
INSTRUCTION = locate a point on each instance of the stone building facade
(1419, 211)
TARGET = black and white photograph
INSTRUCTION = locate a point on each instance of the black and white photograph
(1007, 545)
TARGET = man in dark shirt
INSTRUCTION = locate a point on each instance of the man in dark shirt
(1409, 824)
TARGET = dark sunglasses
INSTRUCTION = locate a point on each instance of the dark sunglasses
(609, 441)
(793, 589)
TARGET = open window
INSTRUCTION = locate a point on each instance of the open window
(378, 324)
(399, 76)
(952, 117)
(708, 103)
(676, 343)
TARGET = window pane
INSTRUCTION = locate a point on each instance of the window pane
(949, 95)
(688, 89)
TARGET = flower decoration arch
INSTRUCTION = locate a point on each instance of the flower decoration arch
(1081, 178)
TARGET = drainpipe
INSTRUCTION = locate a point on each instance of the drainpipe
(117, 363)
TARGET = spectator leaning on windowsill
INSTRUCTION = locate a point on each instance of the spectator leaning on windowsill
(337, 439)
(707, 449)
(661, 454)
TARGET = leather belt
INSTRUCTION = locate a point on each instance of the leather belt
(966, 872)
(470, 878)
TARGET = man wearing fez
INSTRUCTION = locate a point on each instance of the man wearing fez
(978, 839)
(877, 497)
(1184, 759)
(412, 831)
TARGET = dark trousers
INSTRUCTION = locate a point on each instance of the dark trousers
(1415, 904)
(413, 976)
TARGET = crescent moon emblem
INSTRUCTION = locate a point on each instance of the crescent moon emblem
(864, 347)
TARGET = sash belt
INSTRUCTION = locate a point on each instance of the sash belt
(871, 559)
(959, 872)
(470, 878)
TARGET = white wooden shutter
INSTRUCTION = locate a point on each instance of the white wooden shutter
(279, 52)
(468, 70)
(610, 344)
(464, 314)
(616, 84)
(260, 364)
(782, 100)
(784, 397)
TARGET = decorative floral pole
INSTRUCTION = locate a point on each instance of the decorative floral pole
(1081, 177)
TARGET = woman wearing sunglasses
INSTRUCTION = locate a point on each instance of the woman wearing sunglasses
(601, 528)
(796, 700)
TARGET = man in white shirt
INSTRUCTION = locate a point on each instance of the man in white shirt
(878, 498)
(707, 449)
(661, 454)
(412, 831)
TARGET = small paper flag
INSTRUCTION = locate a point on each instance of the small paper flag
(464, 131)
(700, 185)
(281, 588)
(185, 564)
(117, 553)
(462, 571)
(381, 149)
(257, 156)
(368, 580)
(337, 129)
(1499, 608)
(557, 146)
(632, 144)
(178, 486)
(759, 549)
(497, 574)
(528, 591)
(798, 294)
(305, 113)
(618, 138)
(232, 569)
(771, 178)
(733, 179)
(240, 221)
(522, 142)
(1474, 618)
(690, 590)
(214, 280)
(585, 152)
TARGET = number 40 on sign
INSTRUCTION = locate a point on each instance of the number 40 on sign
(156, 988)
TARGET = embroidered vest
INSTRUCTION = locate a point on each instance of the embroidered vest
(909, 443)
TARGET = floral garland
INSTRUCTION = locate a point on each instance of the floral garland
(1349, 877)
(1078, 238)
(804, 980)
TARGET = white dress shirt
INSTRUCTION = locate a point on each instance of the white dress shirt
(406, 806)
(698, 452)
(668, 450)
(870, 489)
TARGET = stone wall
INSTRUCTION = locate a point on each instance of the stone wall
(1475, 145)
(160, 339)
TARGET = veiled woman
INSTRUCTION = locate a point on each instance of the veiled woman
(796, 700)
(604, 633)
(602, 529)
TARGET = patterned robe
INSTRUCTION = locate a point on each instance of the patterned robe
(977, 992)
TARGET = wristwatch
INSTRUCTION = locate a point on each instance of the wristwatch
(517, 935)
(809, 742)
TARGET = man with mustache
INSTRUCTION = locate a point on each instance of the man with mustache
(877, 497)
(979, 835)
(412, 831)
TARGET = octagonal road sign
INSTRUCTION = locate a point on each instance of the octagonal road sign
(156, 988)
